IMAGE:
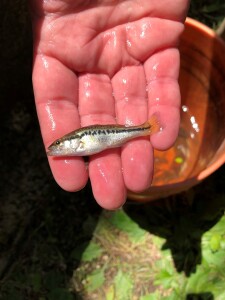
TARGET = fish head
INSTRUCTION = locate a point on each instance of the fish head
(64, 146)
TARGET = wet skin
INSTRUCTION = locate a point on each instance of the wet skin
(106, 62)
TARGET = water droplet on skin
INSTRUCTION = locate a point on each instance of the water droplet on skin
(144, 29)
(114, 39)
(50, 116)
(129, 43)
(87, 94)
(45, 62)
(102, 172)
(155, 67)
(128, 122)
(87, 84)
(87, 88)
(131, 31)
(111, 38)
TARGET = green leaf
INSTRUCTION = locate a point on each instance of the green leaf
(152, 296)
(95, 280)
(123, 286)
(172, 296)
(221, 295)
(148, 297)
(110, 293)
(215, 242)
(124, 223)
(200, 281)
(93, 251)
(163, 278)
(222, 244)
(215, 259)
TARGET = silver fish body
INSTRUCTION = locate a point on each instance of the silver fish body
(94, 139)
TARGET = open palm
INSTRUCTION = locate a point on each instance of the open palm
(105, 62)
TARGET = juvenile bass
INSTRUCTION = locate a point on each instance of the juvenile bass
(94, 139)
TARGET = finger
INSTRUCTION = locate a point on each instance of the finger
(162, 70)
(107, 179)
(150, 35)
(55, 89)
(129, 86)
(96, 106)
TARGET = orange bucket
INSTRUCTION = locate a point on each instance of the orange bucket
(200, 146)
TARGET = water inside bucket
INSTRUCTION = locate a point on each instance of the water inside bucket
(177, 163)
(199, 135)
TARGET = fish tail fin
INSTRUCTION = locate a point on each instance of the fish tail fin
(152, 124)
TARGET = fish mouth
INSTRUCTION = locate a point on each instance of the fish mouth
(50, 153)
(57, 152)
(53, 152)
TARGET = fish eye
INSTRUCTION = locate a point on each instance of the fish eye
(57, 143)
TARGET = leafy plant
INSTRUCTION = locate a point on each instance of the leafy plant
(123, 286)
(123, 222)
(95, 280)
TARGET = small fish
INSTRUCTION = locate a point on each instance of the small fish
(94, 139)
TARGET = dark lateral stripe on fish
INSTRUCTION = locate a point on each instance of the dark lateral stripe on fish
(108, 131)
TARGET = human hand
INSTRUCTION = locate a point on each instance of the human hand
(106, 62)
